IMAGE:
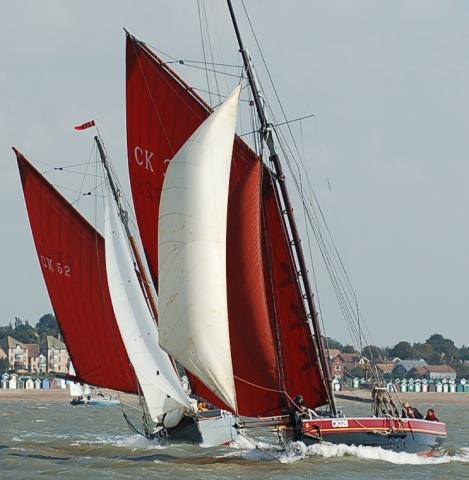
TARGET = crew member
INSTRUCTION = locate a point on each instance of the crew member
(431, 415)
(297, 413)
(410, 412)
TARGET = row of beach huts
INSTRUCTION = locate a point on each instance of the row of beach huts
(416, 385)
(14, 381)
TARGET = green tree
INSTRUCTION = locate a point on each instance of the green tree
(372, 352)
(349, 349)
(6, 331)
(331, 343)
(47, 325)
(24, 332)
(462, 370)
(464, 353)
(403, 350)
(427, 352)
(444, 347)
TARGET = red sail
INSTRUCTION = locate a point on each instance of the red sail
(300, 364)
(72, 260)
(162, 112)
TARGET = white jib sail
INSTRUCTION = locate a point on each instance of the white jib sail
(192, 253)
(160, 385)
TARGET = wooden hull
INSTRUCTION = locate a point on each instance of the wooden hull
(397, 434)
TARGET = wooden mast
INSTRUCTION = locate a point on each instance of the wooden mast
(145, 284)
(267, 136)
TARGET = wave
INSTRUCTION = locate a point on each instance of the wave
(298, 450)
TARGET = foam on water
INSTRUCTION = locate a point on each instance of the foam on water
(131, 442)
(298, 450)
(244, 442)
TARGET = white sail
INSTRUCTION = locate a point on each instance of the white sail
(192, 253)
(76, 390)
(157, 378)
(86, 390)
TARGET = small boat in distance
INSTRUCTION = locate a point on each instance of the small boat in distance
(81, 394)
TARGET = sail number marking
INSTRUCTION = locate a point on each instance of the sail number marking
(143, 158)
(340, 423)
(56, 267)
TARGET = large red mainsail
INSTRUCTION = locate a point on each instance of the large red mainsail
(71, 255)
(272, 349)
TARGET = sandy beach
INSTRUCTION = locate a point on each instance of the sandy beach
(61, 395)
(428, 398)
(55, 395)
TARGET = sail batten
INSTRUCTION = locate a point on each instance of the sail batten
(71, 257)
(192, 253)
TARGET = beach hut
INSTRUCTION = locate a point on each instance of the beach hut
(46, 384)
(425, 385)
(431, 386)
(439, 387)
(62, 383)
(20, 383)
(29, 384)
(336, 385)
(445, 386)
(452, 386)
(356, 382)
(4, 380)
(418, 386)
(37, 384)
(404, 385)
(54, 383)
(12, 384)
(411, 385)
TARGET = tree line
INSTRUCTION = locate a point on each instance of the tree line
(24, 332)
(436, 350)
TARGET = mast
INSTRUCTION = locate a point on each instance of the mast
(267, 136)
(124, 216)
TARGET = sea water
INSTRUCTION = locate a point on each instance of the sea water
(55, 440)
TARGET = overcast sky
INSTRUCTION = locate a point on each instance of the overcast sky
(388, 148)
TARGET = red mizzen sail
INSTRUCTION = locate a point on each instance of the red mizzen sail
(71, 255)
(162, 112)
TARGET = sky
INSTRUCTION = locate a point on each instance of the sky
(387, 149)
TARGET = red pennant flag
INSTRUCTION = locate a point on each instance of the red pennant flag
(86, 125)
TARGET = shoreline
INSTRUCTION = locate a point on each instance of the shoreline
(61, 395)
(427, 398)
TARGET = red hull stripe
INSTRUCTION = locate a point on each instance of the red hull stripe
(344, 425)
(369, 429)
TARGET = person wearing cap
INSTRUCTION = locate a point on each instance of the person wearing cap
(297, 412)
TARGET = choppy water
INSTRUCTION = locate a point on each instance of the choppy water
(55, 440)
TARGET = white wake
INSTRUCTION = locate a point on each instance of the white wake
(298, 450)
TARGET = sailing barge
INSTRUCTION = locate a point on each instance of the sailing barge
(245, 327)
